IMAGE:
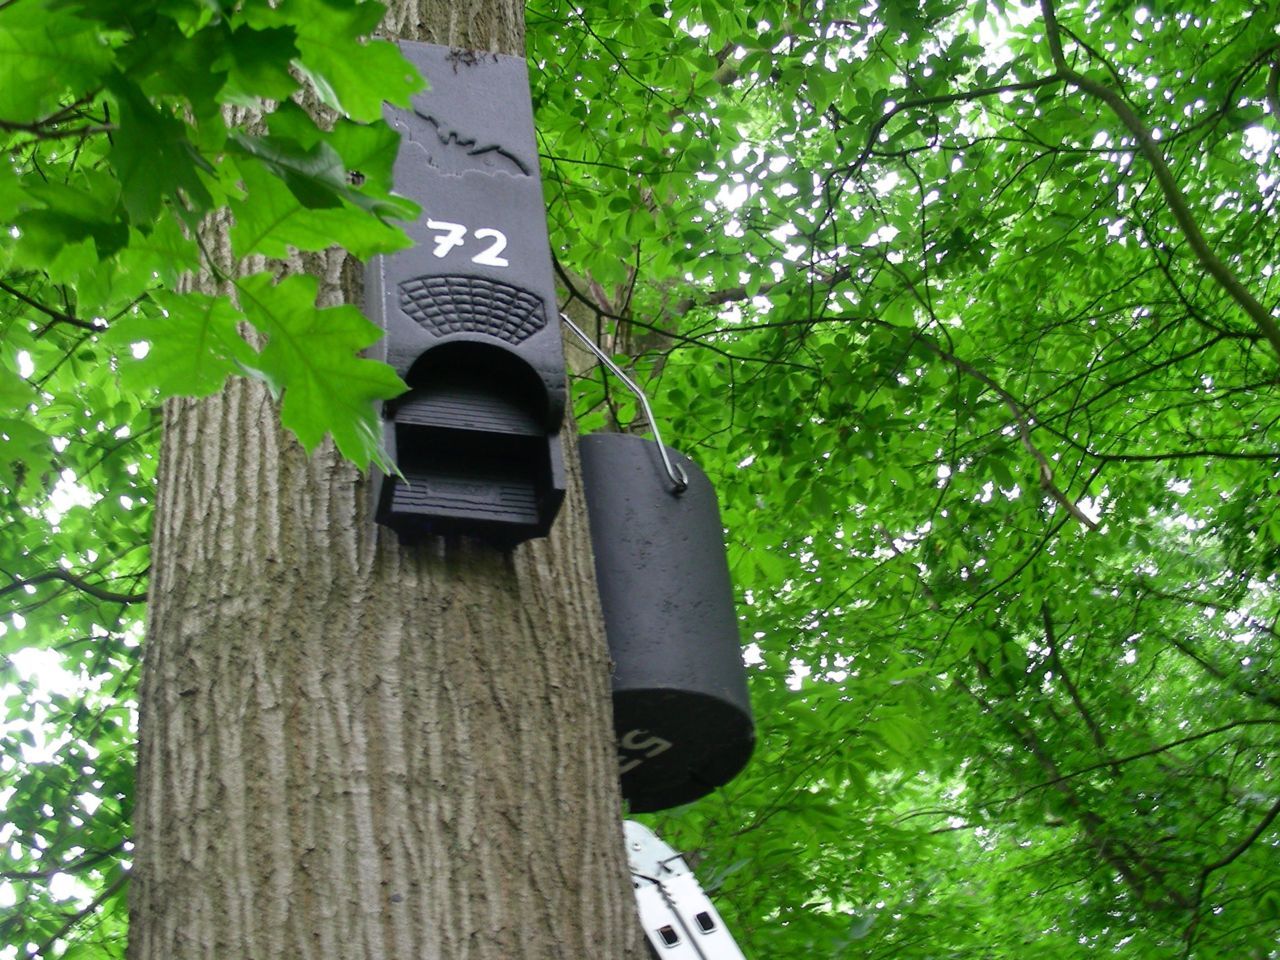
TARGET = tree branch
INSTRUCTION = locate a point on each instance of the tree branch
(74, 866)
(1245, 689)
(1133, 867)
(1252, 622)
(1247, 842)
(1020, 415)
(737, 294)
(963, 95)
(84, 586)
(1164, 176)
(1273, 91)
(55, 315)
(577, 295)
(42, 132)
(79, 915)
(1116, 761)
(1211, 454)
(1267, 819)
(42, 128)
(1060, 671)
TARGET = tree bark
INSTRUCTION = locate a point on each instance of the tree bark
(350, 749)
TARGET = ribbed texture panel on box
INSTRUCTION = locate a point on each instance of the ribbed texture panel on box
(457, 304)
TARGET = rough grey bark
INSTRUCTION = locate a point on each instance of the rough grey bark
(493, 25)
(350, 750)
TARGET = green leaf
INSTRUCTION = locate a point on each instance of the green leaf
(1000, 471)
(194, 345)
(153, 159)
(16, 393)
(257, 62)
(349, 73)
(316, 174)
(44, 56)
(270, 220)
(12, 196)
(165, 253)
(26, 455)
(368, 153)
(167, 62)
(311, 356)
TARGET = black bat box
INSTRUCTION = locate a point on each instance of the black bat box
(682, 714)
(470, 312)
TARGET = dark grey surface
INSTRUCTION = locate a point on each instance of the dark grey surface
(670, 622)
(477, 341)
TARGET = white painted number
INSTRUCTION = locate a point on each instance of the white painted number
(650, 746)
(489, 257)
(453, 235)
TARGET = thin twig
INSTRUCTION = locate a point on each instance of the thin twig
(44, 133)
(1138, 756)
(1273, 90)
(79, 915)
(1268, 818)
(82, 585)
(965, 95)
(55, 315)
(74, 866)
(1177, 203)
(1021, 417)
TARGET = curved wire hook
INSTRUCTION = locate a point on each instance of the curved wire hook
(674, 471)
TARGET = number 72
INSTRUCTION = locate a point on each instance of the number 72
(452, 235)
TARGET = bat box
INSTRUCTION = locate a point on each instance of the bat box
(470, 312)
(681, 710)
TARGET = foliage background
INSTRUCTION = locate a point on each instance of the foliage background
(918, 284)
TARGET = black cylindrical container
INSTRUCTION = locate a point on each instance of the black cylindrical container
(680, 704)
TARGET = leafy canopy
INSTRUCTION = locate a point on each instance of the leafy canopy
(955, 302)
(964, 308)
(127, 125)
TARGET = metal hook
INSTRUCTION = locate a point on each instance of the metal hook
(674, 470)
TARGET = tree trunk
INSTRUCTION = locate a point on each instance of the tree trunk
(353, 750)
